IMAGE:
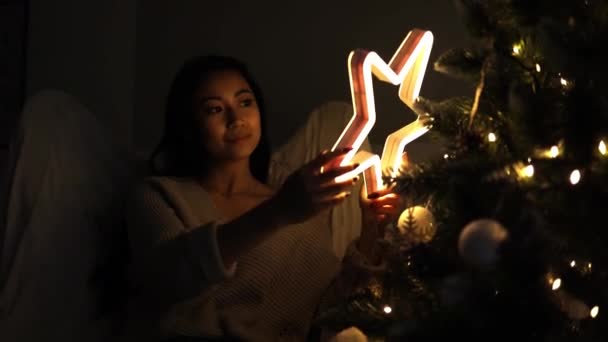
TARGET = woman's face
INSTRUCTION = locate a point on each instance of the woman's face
(227, 116)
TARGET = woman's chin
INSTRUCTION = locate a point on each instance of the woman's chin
(239, 152)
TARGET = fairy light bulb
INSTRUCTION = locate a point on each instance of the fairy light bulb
(387, 309)
(517, 49)
(602, 147)
(575, 177)
(563, 81)
(491, 137)
(556, 284)
(446, 156)
(594, 311)
(537, 67)
(554, 151)
(528, 171)
(572, 263)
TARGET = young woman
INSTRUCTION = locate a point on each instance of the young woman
(217, 253)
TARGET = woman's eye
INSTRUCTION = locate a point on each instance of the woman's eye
(246, 102)
(213, 109)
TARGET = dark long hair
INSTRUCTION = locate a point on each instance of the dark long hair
(181, 157)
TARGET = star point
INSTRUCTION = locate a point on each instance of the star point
(406, 68)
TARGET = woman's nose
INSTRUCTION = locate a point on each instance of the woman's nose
(231, 113)
(232, 117)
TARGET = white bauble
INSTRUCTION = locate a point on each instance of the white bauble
(479, 242)
(351, 334)
(417, 225)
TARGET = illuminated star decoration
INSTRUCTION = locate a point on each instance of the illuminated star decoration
(406, 68)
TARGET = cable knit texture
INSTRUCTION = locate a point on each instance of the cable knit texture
(182, 287)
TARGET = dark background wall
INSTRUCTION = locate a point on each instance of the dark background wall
(119, 56)
(86, 48)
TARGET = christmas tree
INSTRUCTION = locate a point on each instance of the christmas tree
(506, 235)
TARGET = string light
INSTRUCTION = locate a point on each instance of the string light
(575, 177)
(594, 311)
(554, 151)
(524, 171)
(563, 81)
(602, 147)
(446, 156)
(528, 171)
(491, 137)
(537, 67)
(387, 309)
(556, 284)
(516, 49)
(572, 263)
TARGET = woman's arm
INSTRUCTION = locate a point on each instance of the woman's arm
(180, 256)
(175, 256)
(248, 230)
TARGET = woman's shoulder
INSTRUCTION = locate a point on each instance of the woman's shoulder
(163, 186)
(182, 195)
(163, 182)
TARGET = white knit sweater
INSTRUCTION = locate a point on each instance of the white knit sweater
(182, 287)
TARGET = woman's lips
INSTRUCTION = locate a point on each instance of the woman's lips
(239, 138)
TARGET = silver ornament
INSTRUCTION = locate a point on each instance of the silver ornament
(479, 242)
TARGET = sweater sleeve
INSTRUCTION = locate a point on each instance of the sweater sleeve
(174, 256)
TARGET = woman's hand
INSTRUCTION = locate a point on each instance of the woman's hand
(313, 189)
(380, 208)
(377, 210)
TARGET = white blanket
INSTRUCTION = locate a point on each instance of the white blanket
(62, 229)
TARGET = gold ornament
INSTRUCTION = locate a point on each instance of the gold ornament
(417, 225)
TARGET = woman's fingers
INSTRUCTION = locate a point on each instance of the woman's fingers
(386, 210)
(326, 157)
(331, 174)
(388, 191)
(390, 199)
(334, 188)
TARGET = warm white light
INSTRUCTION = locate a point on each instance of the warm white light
(575, 177)
(524, 171)
(556, 284)
(602, 147)
(446, 156)
(554, 151)
(491, 137)
(537, 67)
(594, 311)
(388, 309)
(529, 171)
(405, 69)
(563, 81)
(516, 49)
(572, 263)
(589, 265)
